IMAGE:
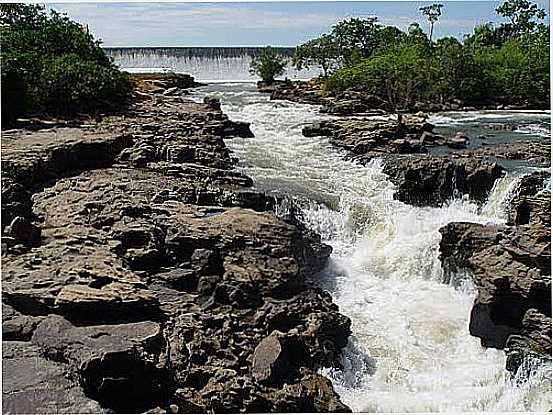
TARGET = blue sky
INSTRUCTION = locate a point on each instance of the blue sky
(259, 24)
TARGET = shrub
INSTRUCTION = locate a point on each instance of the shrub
(72, 85)
(52, 64)
(268, 65)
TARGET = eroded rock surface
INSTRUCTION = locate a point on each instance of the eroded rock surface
(422, 179)
(425, 180)
(141, 274)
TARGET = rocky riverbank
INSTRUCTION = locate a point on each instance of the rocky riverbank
(421, 178)
(141, 274)
(350, 102)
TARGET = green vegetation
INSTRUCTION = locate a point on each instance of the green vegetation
(268, 65)
(52, 65)
(432, 13)
(506, 63)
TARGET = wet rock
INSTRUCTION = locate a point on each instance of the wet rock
(459, 141)
(532, 345)
(533, 153)
(213, 103)
(313, 394)
(433, 180)
(23, 231)
(238, 129)
(367, 138)
(511, 267)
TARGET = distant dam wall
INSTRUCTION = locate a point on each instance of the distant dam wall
(204, 63)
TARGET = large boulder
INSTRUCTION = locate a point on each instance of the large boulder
(433, 180)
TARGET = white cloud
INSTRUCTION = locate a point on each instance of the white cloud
(121, 23)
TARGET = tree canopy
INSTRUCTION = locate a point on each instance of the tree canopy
(52, 64)
(507, 62)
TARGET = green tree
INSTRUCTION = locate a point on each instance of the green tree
(518, 72)
(459, 75)
(34, 43)
(432, 13)
(521, 15)
(356, 38)
(389, 36)
(268, 65)
(321, 51)
(485, 35)
(397, 77)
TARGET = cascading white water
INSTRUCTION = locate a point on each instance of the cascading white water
(204, 64)
(410, 349)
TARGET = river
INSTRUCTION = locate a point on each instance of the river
(410, 350)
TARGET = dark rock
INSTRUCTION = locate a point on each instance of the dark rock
(271, 360)
(121, 366)
(238, 129)
(534, 153)
(24, 231)
(314, 393)
(433, 180)
(532, 345)
(213, 103)
(511, 267)
(459, 141)
(33, 384)
(16, 326)
(16, 200)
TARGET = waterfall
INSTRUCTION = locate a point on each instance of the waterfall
(410, 350)
(204, 63)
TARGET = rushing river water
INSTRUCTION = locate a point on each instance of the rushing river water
(410, 349)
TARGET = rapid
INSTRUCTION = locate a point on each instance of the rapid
(410, 350)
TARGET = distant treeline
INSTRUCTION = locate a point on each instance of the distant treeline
(506, 63)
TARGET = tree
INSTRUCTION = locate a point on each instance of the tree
(356, 37)
(459, 75)
(268, 65)
(397, 77)
(389, 36)
(521, 15)
(47, 59)
(432, 13)
(417, 38)
(485, 35)
(321, 51)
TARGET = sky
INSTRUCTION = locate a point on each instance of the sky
(260, 23)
